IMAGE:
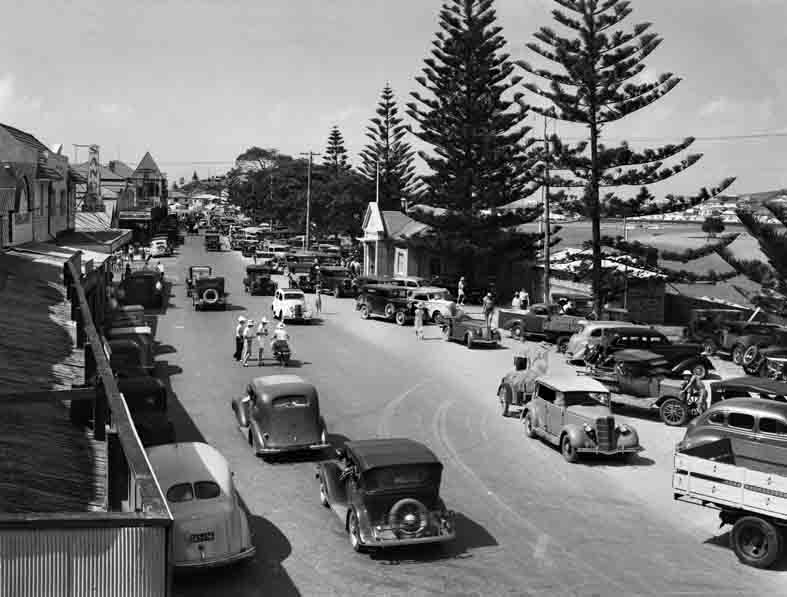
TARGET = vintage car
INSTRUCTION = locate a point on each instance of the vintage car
(280, 413)
(195, 272)
(127, 315)
(209, 293)
(212, 241)
(739, 336)
(680, 356)
(746, 386)
(265, 257)
(386, 300)
(160, 248)
(386, 492)
(473, 332)
(146, 398)
(540, 321)
(572, 412)
(305, 281)
(706, 326)
(438, 302)
(642, 379)
(142, 287)
(248, 248)
(762, 424)
(258, 280)
(211, 527)
(336, 280)
(409, 281)
(589, 334)
(289, 304)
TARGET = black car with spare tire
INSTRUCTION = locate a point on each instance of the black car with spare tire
(386, 300)
(209, 293)
(386, 493)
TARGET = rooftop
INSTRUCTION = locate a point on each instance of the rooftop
(147, 168)
(25, 138)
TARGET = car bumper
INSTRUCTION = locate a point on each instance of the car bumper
(631, 450)
(486, 342)
(295, 448)
(216, 562)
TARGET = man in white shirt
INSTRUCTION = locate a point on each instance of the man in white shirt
(239, 329)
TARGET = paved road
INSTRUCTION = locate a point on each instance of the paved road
(529, 523)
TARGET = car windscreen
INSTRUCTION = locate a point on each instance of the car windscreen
(199, 272)
(392, 477)
(206, 490)
(436, 296)
(181, 492)
(283, 402)
(293, 296)
(585, 398)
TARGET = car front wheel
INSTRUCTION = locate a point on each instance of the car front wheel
(673, 412)
(364, 312)
(469, 340)
(401, 318)
(528, 425)
(516, 332)
(568, 450)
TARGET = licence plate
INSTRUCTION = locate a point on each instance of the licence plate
(200, 537)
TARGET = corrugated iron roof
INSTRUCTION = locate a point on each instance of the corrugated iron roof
(25, 138)
(121, 168)
(400, 226)
(46, 173)
(105, 173)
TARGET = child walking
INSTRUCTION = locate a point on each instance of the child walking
(419, 321)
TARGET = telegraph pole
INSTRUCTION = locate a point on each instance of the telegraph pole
(311, 155)
(547, 159)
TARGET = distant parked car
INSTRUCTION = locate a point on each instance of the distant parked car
(195, 272)
(386, 493)
(737, 337)
(472, 332)
(211, 527)
(336, 280)
(385, 300)
(438, 302)
(589, 334)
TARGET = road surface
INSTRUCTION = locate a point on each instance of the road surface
(528, 522)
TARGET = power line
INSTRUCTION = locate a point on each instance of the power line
(717, 138)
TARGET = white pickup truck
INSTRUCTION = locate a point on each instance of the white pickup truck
(753, 501)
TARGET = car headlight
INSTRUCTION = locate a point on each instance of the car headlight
(587, 428)
(623, 429)
(159, 286)
(477, 332)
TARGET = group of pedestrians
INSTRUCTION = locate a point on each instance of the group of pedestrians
(250, 334)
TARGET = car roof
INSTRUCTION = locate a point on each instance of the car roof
(376, 453)
(572, 383)
(272, 386)
(762, 384)
(187, 462)
(258, 267)
(636, 329)
(753, 406)
(428, 289)
(292, 290)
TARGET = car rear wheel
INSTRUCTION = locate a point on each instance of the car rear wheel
(355, 532)
(673, 412)
(389, 310)
(737, 354)
(527, 423)
(400, 317)
(504, 394)
(756, 541)
(516, 332)
(568, 450)
(364, 312)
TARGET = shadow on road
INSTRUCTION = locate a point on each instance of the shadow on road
(469, 535)
(162, 349)
(592, 460)
(262, 575)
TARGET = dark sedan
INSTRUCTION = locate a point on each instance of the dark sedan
(473, 332)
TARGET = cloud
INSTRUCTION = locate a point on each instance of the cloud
(723, 107)
(13, 106)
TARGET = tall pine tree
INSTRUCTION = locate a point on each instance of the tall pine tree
(389, 150)
(335, 156)
(481, 157)
(596, 87)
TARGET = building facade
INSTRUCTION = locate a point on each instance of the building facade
(37, 189)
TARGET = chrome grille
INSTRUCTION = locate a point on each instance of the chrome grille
(605, 432)
(297, 311)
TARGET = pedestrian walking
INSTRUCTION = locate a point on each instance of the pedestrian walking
(489, 307)
(318, 298)
(516, 302)
(419, 320)
(249, 334)
(460, 291)
(239, 329)
(262, 336)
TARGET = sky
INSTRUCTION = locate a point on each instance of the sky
(195, 82)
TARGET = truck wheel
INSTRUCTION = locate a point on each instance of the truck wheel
(527, 423)
(568, 450)
(673, 412)
(389, 310)
(756, 541)
(504, 394)
(516, 332)
(737, 354)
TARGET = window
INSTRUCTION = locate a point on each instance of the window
(741, 421)
(546, 393)
(24, 199)
(716, 418)
(206, 490)
(596, 333)
(290, 402)
(182, 492)
(401, 262)
(773, 426)
(658, 340)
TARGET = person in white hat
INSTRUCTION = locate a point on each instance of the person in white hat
(280, 334)
(239, 329)
(248, 337)
(262, 334)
